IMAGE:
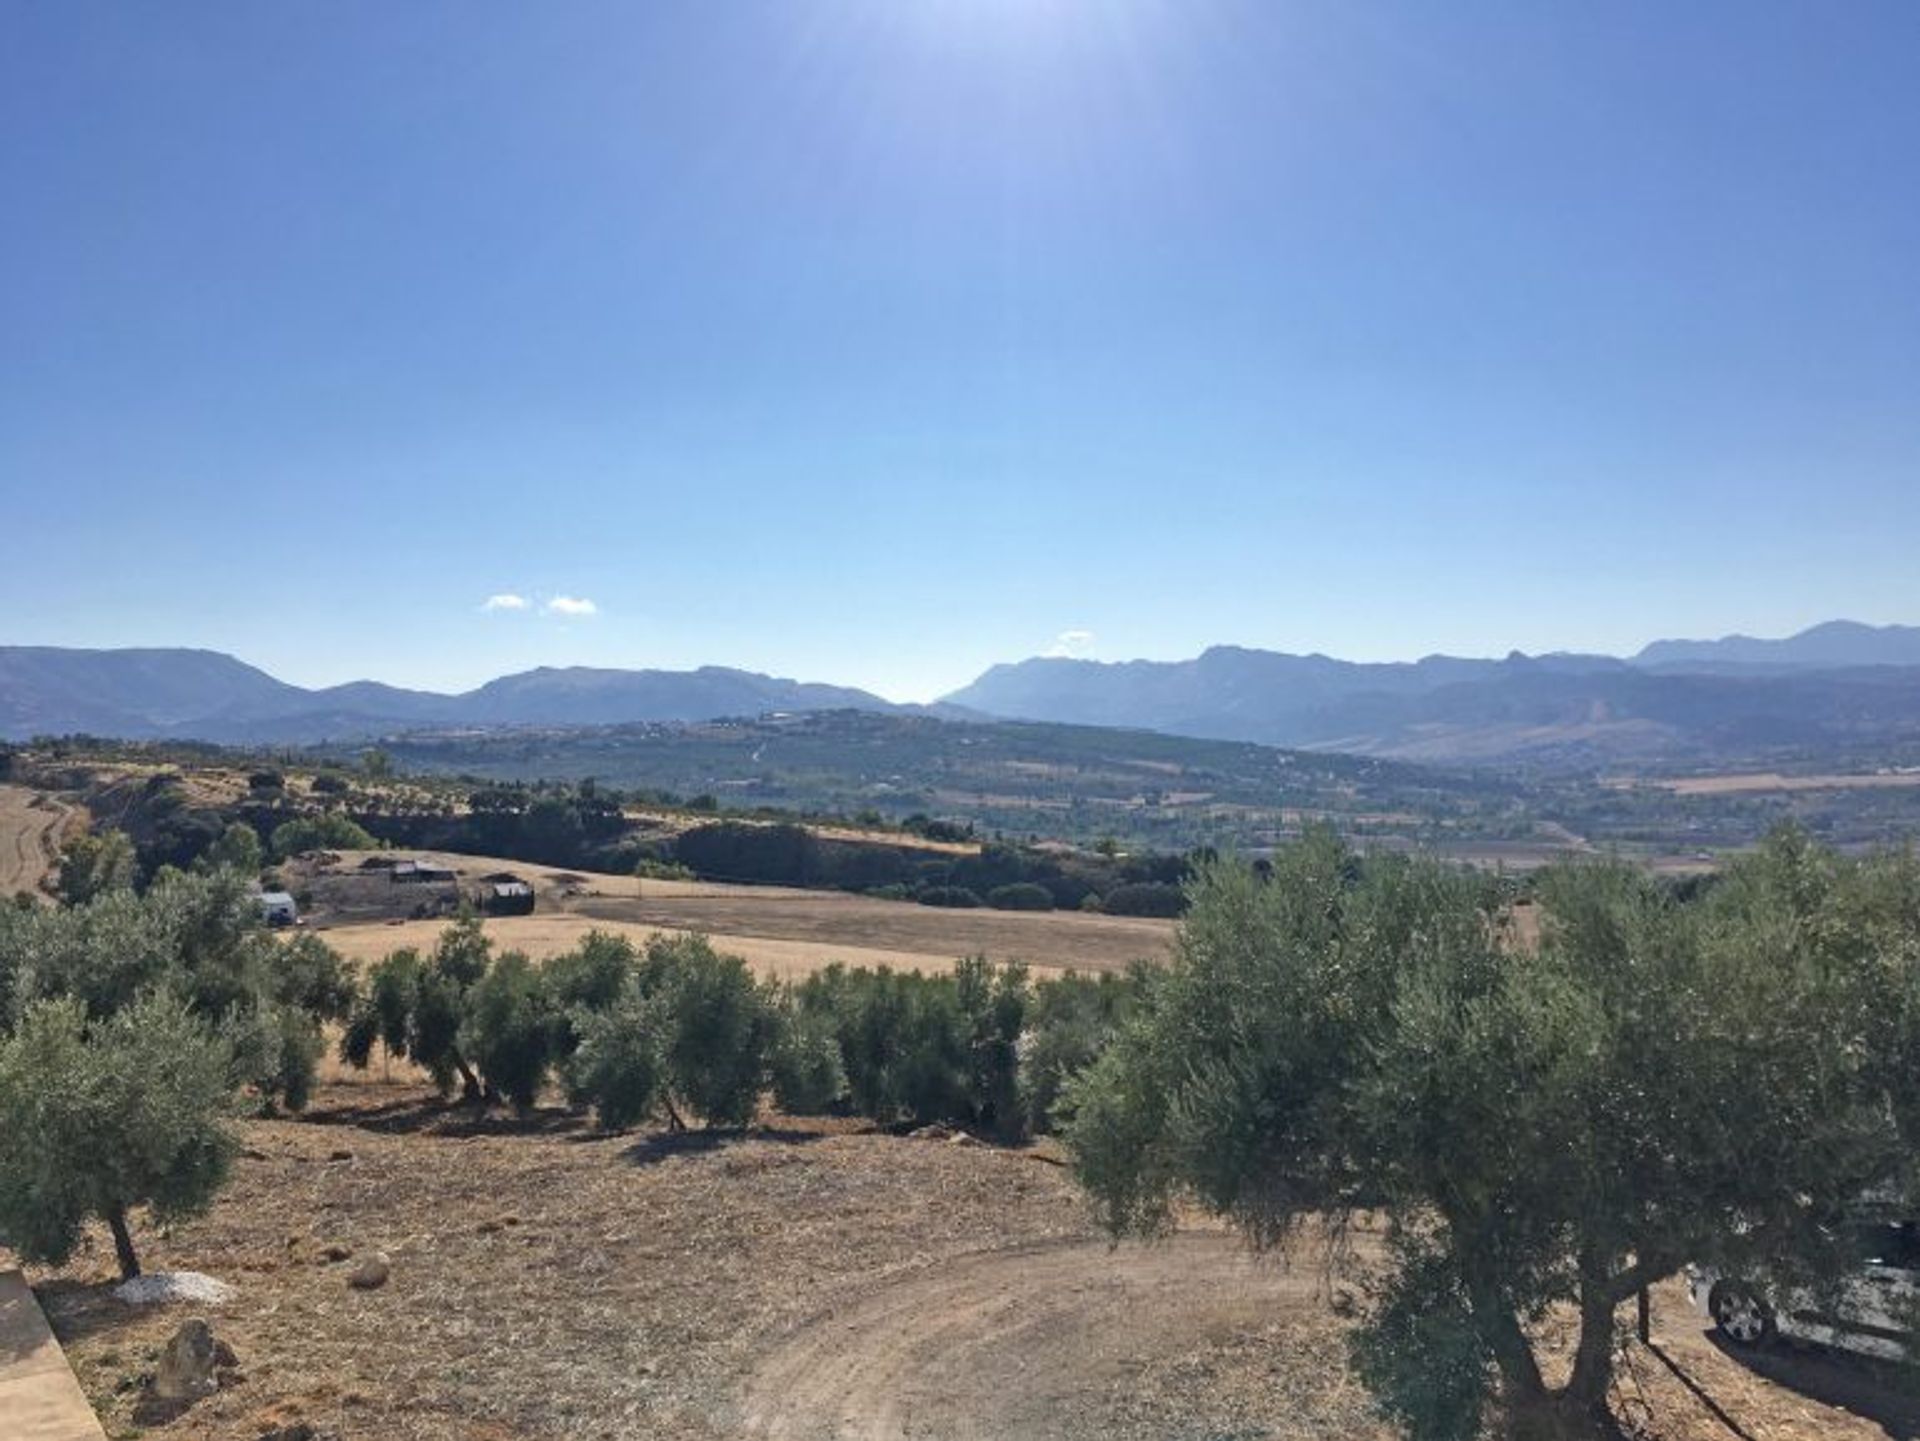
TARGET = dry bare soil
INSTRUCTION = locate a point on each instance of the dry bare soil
(804, 1280)
(31, 828)
(781, 930)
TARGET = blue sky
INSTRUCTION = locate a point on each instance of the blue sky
(876, 342)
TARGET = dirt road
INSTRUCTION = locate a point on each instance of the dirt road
(30, 828)
(1062, 1340)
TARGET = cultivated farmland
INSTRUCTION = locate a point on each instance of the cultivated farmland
(781, 930)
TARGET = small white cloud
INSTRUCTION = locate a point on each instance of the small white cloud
(505, 601)
(571, 605)
(1070, 643)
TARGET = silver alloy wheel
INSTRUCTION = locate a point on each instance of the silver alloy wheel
(1740, 1315)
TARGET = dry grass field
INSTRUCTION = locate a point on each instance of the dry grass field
(1761, 783)
(785, 931)
(32, 827)
(805, 1280)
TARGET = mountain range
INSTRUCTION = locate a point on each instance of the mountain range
(1838, 687)
(206, 695)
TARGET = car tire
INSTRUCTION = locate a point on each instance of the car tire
(1740, 1315)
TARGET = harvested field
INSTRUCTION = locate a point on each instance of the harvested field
(808, 1280)
(787, 931)
(32, 826)
(544, 936)
(1761, 783)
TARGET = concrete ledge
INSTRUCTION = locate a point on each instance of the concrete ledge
(40, 1400)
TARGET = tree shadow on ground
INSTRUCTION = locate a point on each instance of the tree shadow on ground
(664, 1145)
(1879, 1392)
(456, 1120)
(79, 1310)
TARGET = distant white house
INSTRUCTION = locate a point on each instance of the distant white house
(277, 908)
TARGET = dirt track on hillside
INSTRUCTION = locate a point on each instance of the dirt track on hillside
(30, 831)
(1059, 1339)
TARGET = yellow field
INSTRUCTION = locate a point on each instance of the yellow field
(782, 931)
(1769, 781)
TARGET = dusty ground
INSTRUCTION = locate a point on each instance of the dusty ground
(31, 828)
(805, 1281)
(785, 931)
(551, 1282)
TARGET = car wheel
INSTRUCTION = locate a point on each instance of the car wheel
(1743, 1318)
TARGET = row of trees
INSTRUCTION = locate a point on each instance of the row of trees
(678, 1031)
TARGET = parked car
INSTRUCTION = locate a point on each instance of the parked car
(1874, 1312)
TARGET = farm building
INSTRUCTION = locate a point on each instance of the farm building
(420, 873)
(277, 908)
(506, 894)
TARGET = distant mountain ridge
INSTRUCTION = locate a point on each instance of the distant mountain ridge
(1836, 644)
(1838, 684)
(206, 695)
(1838, 687)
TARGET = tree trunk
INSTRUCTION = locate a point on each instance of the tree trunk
(123, 1242)
(1593, 1358)
(469, 1083)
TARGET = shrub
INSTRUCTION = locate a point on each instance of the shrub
(326, 832)
(956, 896)
(1145, 898)
(1020, 896)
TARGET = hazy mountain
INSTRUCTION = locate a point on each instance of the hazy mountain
(149, 694)
(47, 689)
(1683, 705)
(1837, 686)
(1834, 645)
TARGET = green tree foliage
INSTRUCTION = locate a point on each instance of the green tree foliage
(95, 865)
(418, 1009)
(992, 1002)
(508, 1030)
(1072, 1020)
(617, 1068)
(1020, 896)
(199, 938)
(104, 1116)
(1144, 898)
(691, 1031)
(805, 1069)
(1561, 1124)
(591, 977)
(717, 1028)
(238, 849)
(919, 1048)
(327, 831)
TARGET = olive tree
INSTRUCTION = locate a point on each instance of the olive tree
(106, 1115)
(93, 865)
(1542, 1125)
